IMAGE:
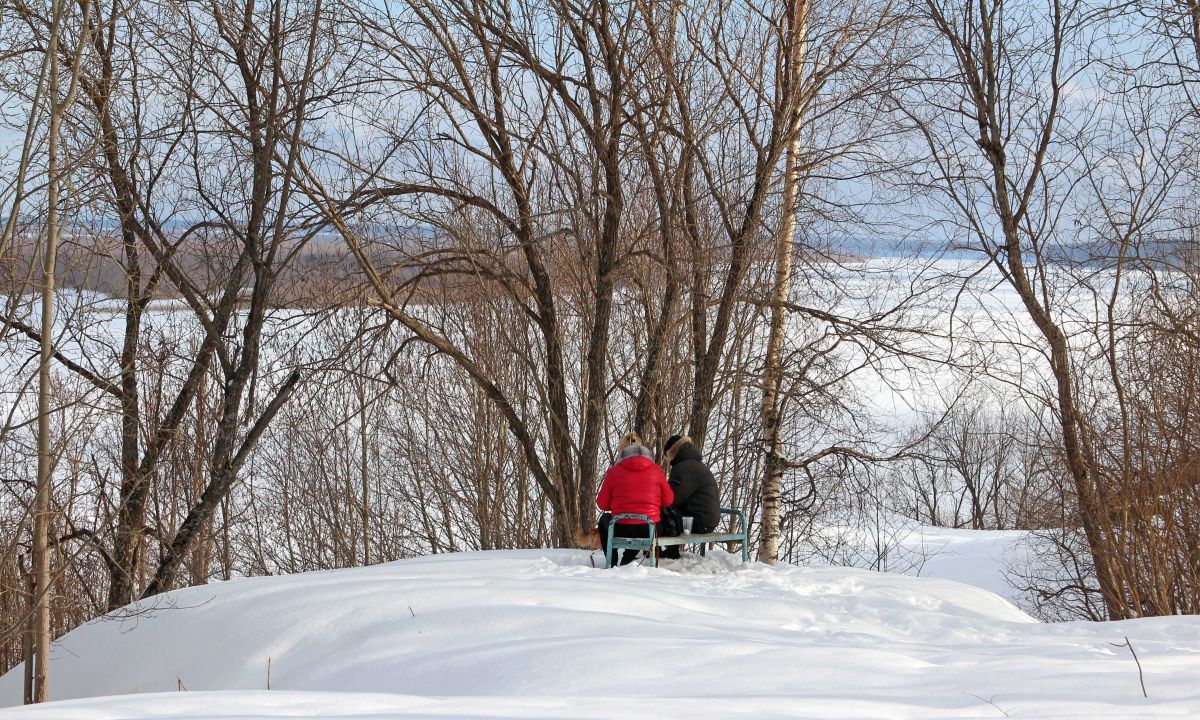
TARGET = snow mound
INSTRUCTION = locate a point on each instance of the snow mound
(544, 634)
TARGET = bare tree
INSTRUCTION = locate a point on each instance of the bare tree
(225, 266)
(59, 101)
(1044, 196)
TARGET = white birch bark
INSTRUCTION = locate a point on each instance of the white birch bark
(772, 485)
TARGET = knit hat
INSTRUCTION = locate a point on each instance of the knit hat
(629, 438)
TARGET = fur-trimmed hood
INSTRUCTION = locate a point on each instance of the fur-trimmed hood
(635, 451)
(683, 445)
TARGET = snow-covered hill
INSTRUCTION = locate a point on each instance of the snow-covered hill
(542, 634)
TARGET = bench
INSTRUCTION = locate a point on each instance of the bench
(651, 544)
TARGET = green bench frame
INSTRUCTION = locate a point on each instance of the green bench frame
(651, 544)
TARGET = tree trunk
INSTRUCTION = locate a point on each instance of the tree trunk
(27, 636)
(364, 467)
(227, 464)
(597, 354)
(772, 485)
(41, 503)
(658, 332)
(1091, 507)
(709, 355)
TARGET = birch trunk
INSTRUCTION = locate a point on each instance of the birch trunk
(772, 485)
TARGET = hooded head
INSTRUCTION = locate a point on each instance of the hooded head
(671, 442)
(674, 445)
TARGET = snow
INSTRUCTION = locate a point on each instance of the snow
(973, 557)
(543, 634)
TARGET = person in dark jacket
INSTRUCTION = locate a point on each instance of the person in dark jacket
(695, 489)
(636, 484)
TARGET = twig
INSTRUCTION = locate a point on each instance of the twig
(989, 702)
(1141, 676)
(179, 683)
(410, 611)
(268, 672)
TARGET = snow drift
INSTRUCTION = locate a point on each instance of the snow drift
(544, 634)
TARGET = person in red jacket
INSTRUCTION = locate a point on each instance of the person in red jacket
(636, 484)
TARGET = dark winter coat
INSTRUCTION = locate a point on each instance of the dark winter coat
(635, 485)
(696, 491)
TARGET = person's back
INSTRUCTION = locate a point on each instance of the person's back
(634, 485)
(695, 488)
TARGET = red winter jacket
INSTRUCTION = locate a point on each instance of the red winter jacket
(635, 485)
